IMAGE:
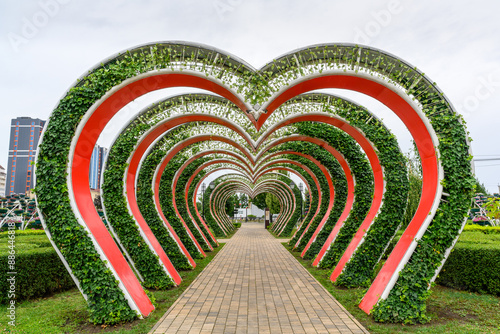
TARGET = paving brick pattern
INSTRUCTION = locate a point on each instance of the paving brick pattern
(254, 285)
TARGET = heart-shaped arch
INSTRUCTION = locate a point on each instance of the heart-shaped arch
(271, 91)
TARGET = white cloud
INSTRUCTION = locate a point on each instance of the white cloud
(454, 42)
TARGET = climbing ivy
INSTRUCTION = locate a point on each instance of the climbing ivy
(406, 301)
(296, 215)
(148, 208)
(363, 176)
(339, 183)
(106, 301)
(209, 219)
(192, 210)
(181, 203)
(118, 216)
(167, 207)
(314, 201)
(307, 232)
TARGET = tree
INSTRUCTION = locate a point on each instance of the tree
(97, 202)
(260, 201)
(480, 188)
(231, 204)
(243, 199)
(492, 207)
(272, 203)
(415, 178)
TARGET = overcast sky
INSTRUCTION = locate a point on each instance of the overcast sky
(46, 45)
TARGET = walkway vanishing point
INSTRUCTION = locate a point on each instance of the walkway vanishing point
(254, 285)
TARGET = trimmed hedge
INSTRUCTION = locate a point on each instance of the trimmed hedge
(473, 267)
(40, 271)
(483, 229)
(473, 264)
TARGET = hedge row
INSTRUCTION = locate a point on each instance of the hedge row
(473, 267)
(473, 264)
(39, 270)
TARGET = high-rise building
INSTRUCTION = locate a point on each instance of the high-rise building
(25, 133)
(96, 165)
(3, 180)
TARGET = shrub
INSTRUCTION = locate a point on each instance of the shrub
(39, 270)
(484, 229)
(473, 264)
(473, 267)
(237, 225)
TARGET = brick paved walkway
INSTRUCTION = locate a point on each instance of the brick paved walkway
(254, 285)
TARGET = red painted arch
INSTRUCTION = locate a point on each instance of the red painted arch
(426, 150)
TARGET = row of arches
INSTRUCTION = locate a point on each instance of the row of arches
(259, 124)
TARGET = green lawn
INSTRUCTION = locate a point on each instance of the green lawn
(451, 311)
(66, 312)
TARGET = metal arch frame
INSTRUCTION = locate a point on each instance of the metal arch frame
(204, 165)
(298, 175)
(145, 142)
(227, 185)
(325, 172)
(426, 142)
(415, 230)
(282, 221)
(285, 197)
(218, 198)
(194, 175)
(288, 199)
(174, 186)
(366, 224)
(149, 112)
(133, 167)
(177, 148)
(338, 156)
(203, 178)
(350, 185)
(368, 148)
(85, 138)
